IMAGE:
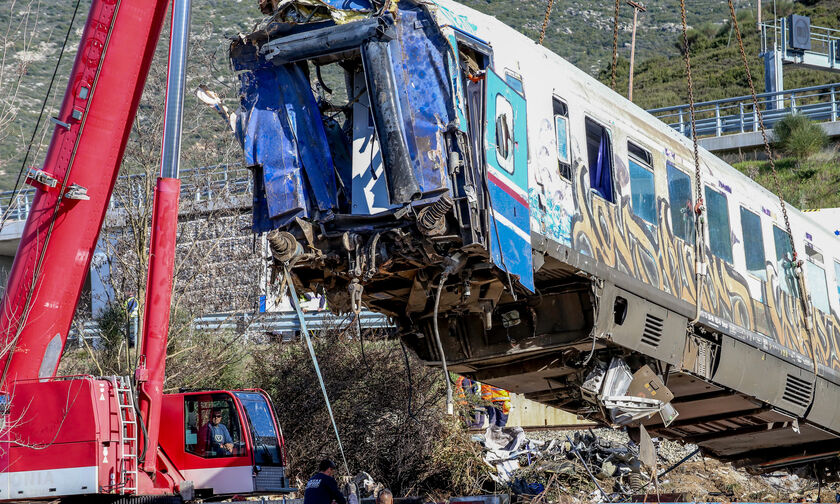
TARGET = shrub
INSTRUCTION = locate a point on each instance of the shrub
(798, 136)
(412, 447)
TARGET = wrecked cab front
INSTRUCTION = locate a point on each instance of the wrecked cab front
(376, 171)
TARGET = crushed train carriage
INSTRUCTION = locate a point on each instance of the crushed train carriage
(466, 176)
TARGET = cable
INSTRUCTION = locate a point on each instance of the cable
(410, 384)
(305, 332)
(450, 408)
(16, 189)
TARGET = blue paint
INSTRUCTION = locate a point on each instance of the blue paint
(351, 5)
(293, 178)
(418, 56)
(511, 247)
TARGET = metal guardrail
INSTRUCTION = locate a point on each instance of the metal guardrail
(283, 322)
(271, 322)
(738, 115)
(825, 42)
(197, 185)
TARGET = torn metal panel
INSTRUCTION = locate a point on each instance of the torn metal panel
(285, 137)
(305, 11)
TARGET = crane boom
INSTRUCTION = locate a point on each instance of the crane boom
(74, 186)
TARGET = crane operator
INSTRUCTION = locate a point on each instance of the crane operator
(216, 437)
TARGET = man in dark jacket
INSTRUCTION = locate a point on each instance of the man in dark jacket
(321, 487)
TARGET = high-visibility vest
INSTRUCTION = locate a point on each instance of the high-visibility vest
(494, 394)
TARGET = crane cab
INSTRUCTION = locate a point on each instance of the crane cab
(225, 442)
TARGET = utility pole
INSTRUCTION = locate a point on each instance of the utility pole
(637, 7)
(758, 15)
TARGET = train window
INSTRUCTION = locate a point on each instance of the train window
(599, 151)
(643, 194)
(817, 287)
(753, 243)
(720, 240)
(837, 279)
(679, 197)
(515, 81)
(561, 129)
(813, 253)
(784, 262)
(504, 133)
(212, 426)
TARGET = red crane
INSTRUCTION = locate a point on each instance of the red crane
(79, 435)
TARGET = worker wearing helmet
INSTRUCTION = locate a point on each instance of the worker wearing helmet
(500, 401)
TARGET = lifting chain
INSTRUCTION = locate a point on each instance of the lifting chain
(615, 43)
(545, 21)
(699, 258)
(797, 264)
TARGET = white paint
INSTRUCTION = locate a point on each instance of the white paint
(34, 484)
(501, 219)
(369, 188)
(223, 480)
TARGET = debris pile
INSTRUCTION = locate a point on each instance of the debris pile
(604, 465)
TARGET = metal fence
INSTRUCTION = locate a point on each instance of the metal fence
(259, 323)
(197, 185)
(738, 115)
(775, 35)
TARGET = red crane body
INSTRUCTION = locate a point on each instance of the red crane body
(81, 435)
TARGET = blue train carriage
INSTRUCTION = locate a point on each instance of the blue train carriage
(426, 161)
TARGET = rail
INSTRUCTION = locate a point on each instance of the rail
(738, 115)
(271, 322)
(775, 36)
(198, 185)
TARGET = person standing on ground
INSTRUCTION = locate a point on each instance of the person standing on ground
(132, 313)
(500, 405)
(321, 487)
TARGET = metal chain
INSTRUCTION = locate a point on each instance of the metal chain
(804, 296)
(615, 43)
(545, 21)
(691, 105)
(767, 149)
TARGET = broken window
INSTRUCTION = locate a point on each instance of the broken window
(753, 243)
(599, 151)
(720, 240)
(679, 197)
(643, 194)
(784, 262)
(561, 130)
(504, 133)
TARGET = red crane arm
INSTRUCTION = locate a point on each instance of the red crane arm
(83, 159)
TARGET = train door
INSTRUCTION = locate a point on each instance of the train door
(506, 151)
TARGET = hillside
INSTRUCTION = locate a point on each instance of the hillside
(717, 68)
(32, 34)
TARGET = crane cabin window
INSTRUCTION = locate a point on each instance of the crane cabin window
(720, 240)
(212, 426)
(599, 153)
(784, 262)
(643, 194)
(682, 205)
(561, 130)
(753, 244)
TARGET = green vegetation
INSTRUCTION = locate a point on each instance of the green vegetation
(799, 136)
(717, 68)
(805, 184)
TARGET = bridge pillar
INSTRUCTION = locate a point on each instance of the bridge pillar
(773, 78)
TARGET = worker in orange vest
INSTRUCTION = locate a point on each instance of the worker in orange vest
(500, 401)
